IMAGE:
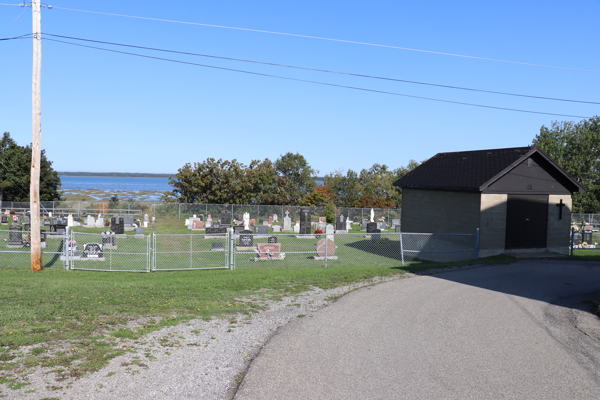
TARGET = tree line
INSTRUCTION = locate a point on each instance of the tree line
(290, 180)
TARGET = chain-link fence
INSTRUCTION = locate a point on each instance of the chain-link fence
(109, 252)
(350, 249)
(15, 249)
(78, 207)
(593, 219)
(169, 252)
(178, 252)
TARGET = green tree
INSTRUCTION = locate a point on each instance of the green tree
(346, 187)
(576, 148)
(15, 173)
(298, 172)
(113, 203)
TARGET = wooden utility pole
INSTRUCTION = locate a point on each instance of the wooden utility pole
(34, 191)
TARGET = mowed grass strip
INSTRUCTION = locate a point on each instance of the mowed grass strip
(71, 319)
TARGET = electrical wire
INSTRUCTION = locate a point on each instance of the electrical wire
(16, 19)
(314, 82)
(17, 37)
(323, 70)
(325, 38)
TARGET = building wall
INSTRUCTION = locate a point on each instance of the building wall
(559, 229)
(492, 224)
(439, 211)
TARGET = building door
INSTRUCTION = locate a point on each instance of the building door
(526, 221)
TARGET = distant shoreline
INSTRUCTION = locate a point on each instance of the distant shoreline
(114, 175)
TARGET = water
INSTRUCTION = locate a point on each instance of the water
(152, 188)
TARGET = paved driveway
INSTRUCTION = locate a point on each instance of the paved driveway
(515, 331)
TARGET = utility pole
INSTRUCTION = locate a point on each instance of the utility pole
(34, 190)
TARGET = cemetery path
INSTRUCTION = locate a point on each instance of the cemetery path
(520, 331)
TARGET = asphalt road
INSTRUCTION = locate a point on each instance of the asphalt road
(520, 331)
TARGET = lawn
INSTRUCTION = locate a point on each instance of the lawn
(73, 319)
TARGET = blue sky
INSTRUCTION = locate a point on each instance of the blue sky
(106, 112)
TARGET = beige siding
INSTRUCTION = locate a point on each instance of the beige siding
(439, 211)
(492, 224)
(558, 229)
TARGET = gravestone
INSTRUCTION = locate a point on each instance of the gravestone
(262, 230)
(208, 223)
(348, 224)
(326, 247)
(146, 218)
(145, 224)
(321, 226)
(270, 251)
(197, 225)
(26, 219)
(93, 250)
(217, 246)
(275, 217)
(329, 232)
(265, 223)
(128, 220)
(398, 230)
(216, 231)
(238, 229)
(371, 226)
(226, 217)
(90, 222)
(297, 227)
(340, 225)
(276, 228)
(46, 222)
(100, 222)
(70, 220)
(109, 239)
(305, 219)
(252, 222)
(395, 221)
(577, 238)
(246, 238)
(15, 237)
(270, 221)
(375, 234)
(16, 220)
(4, 219)
(117, 225)
(381, 225)
(139, 231)
(201, 217)
(287, 222)
(323, 219)
(272, 239)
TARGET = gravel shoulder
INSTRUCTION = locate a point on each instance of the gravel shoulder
(193, 360)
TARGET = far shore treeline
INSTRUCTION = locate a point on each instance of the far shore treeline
(290, 180)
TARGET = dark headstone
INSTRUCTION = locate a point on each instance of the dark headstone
(262, 230)
(42, 235)
(225, 217)
(305, 220)
(26, 219)
(246, 239)
(586, 236)
(139, 231)
(46, 222)
(93, 250)
(238, 229)
(376, 234)
(398, 230)
(216, 231)
(117, 225)
(217, 246)
(109, 238)
(4, 219)
(371, 226)
(15, 237)
(272, 239)
(340, 226)
(577, 238)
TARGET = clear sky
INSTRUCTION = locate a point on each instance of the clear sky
(107, 112)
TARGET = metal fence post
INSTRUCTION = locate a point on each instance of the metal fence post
(572, 241)
(477, 244)
(65, 247)
(401, 248)
(326, 242)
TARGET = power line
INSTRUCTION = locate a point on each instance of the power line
(16, 19)
(27, 35)
(314, 82)
(324, 70)
(327, 39)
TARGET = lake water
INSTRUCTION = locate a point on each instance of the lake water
(99, 187)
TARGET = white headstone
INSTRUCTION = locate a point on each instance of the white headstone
(329, 229)
(246, 221)
(297, 227)
(90, 221)
(49, 213)
(194, 216)
(187, 222)
(100, 222)
(348, 224)
(276, 228)
(274, 217)
(287, 222)
(146, 217)
(372, 215)
(145, 224)
(69, 220)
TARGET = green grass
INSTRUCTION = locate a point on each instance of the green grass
(86, 311)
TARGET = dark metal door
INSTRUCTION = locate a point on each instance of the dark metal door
(526, 221)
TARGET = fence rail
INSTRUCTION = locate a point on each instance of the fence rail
(172, 252)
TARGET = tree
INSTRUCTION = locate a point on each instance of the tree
(576, 148)
(321, 195)
(296, 169)
(15, 167)
(347, 188)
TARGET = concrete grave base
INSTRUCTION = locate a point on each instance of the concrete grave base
(220, 249)
(322, 258)
(268, 259)
(238, 248)
(14, 246)
(305, 236)
(214, 236)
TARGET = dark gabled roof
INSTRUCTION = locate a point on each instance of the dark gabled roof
(470, 170)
